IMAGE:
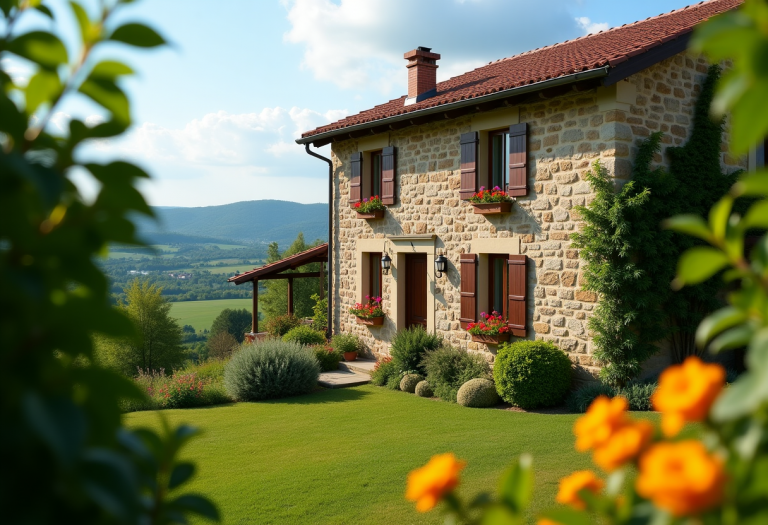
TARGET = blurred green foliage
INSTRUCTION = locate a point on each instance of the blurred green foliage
(66, 457)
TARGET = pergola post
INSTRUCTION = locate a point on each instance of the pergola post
(255, 314)
(290, 295)
(322, 288)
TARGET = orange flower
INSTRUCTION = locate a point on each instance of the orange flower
(603, 418)
(682, 478)
(547, 521)
(624, 445)
(686, 392)
(568, 493)
(428, 484)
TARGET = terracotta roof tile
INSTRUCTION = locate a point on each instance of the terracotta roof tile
(606, 48)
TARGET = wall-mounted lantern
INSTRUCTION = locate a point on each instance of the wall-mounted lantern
(386, 263)
(441, 265)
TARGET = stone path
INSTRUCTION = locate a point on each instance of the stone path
(352, 373)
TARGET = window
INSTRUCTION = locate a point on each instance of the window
(497, 284)
(498, 159)
(374, 188)
(374, 275)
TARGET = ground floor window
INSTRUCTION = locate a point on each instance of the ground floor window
(374, 274)
(497, 284)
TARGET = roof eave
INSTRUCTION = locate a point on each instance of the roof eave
(520, 90)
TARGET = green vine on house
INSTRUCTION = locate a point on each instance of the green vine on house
(630, 260)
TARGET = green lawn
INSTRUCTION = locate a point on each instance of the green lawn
(200, 314)
(342, 456)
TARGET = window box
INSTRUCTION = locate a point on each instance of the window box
(378, 214)
(491, 339)
(370, 321)
(492, 208)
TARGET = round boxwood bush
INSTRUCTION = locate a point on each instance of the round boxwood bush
(305, 335)
(271, 369)
(424, 390)
(409, 381)
(532, 374)
(478, 393)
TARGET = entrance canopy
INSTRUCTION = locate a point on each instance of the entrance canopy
(274, 271)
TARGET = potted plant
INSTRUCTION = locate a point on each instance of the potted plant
(492, 330)
(491, 202)
(370, 208)
(346, 344)
(371, 313)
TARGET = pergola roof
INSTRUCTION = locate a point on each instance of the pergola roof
(316, 254)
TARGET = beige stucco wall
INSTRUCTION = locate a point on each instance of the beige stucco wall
(566, 134)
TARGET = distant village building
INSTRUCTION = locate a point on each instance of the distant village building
(138, 272)
(180, 275)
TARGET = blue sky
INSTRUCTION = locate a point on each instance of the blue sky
(216, 114)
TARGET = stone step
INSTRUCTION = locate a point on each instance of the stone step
(362, 366)
(342, 379)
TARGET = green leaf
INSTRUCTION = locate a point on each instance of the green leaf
(754, 184)
(568, 516)
(110, 69)
(41, 47)
(741, 398)
(757, 353)
(516, 485)
(42, 87)
(137, 35)
(82, 20)
(45, 10)
(690, 224)
(757, 215)
(718, 321)
(718, 217)
(699, 264)
(737, 337)
(104, 92)
(182, 472)
(196, 504)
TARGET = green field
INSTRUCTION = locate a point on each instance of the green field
(232, 268)
(342, 456)
(200, 314)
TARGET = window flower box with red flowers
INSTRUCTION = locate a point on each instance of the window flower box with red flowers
(369, 314)
(492, 330)
(370, 208)
(491, 202)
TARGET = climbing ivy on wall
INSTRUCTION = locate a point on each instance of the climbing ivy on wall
(631, 261)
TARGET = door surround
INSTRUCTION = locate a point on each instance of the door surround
(398, 247)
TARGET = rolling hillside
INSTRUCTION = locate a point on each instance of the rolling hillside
(251, 221)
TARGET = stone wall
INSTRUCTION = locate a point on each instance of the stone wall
(566, 135)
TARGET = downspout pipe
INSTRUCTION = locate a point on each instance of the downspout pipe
(329, 328)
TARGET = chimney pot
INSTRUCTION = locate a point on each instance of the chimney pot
(422, 74)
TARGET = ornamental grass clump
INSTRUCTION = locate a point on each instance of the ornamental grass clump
(484, 196)
(448, 368)
(271, 369)
(409, 347)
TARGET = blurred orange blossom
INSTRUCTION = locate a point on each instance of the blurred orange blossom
(428, 484)
(568, 492)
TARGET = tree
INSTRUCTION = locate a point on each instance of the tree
(158, 344)
(274, 301)
(221, 345)
(233, 322)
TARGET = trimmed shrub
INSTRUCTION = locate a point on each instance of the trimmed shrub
(409, 381)
(280, 325)
(327, 357)
(304, 335)
(478, 393)
(410, 345)
(383, 370)
(343, 343)
(393, 383)
(579, 400)
(271, 369)
(448, 368)
(638, 395)
(424, 390)
(532, 374)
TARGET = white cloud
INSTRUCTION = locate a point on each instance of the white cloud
(589, 27)
(359, 44)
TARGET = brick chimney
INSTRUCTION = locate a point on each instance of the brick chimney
(422, 74)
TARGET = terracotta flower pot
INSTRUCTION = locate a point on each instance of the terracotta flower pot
(378, 214)
(492, 208)
(490, 339)
(370, 321)
(350, 356)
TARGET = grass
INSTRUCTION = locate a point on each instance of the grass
(342, 456)
(200, 314)
(229, 269)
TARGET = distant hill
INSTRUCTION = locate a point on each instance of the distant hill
(251, 221)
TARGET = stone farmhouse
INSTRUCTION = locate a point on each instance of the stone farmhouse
(532, 124)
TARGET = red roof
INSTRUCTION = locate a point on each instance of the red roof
(316, 254)
(604, 49)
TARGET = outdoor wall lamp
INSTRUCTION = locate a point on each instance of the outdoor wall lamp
(386, 263)
(441, 265)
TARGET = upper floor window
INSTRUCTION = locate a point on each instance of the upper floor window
(498, 159)
(374, 181)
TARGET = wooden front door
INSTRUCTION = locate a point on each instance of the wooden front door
(416, 290)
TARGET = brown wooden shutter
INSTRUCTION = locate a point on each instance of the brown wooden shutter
(388, 175)
(355, 178)
(518, 160)
(468, 289)
(468, 164)
(516, 298)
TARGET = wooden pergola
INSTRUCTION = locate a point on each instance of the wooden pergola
(275, 271)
